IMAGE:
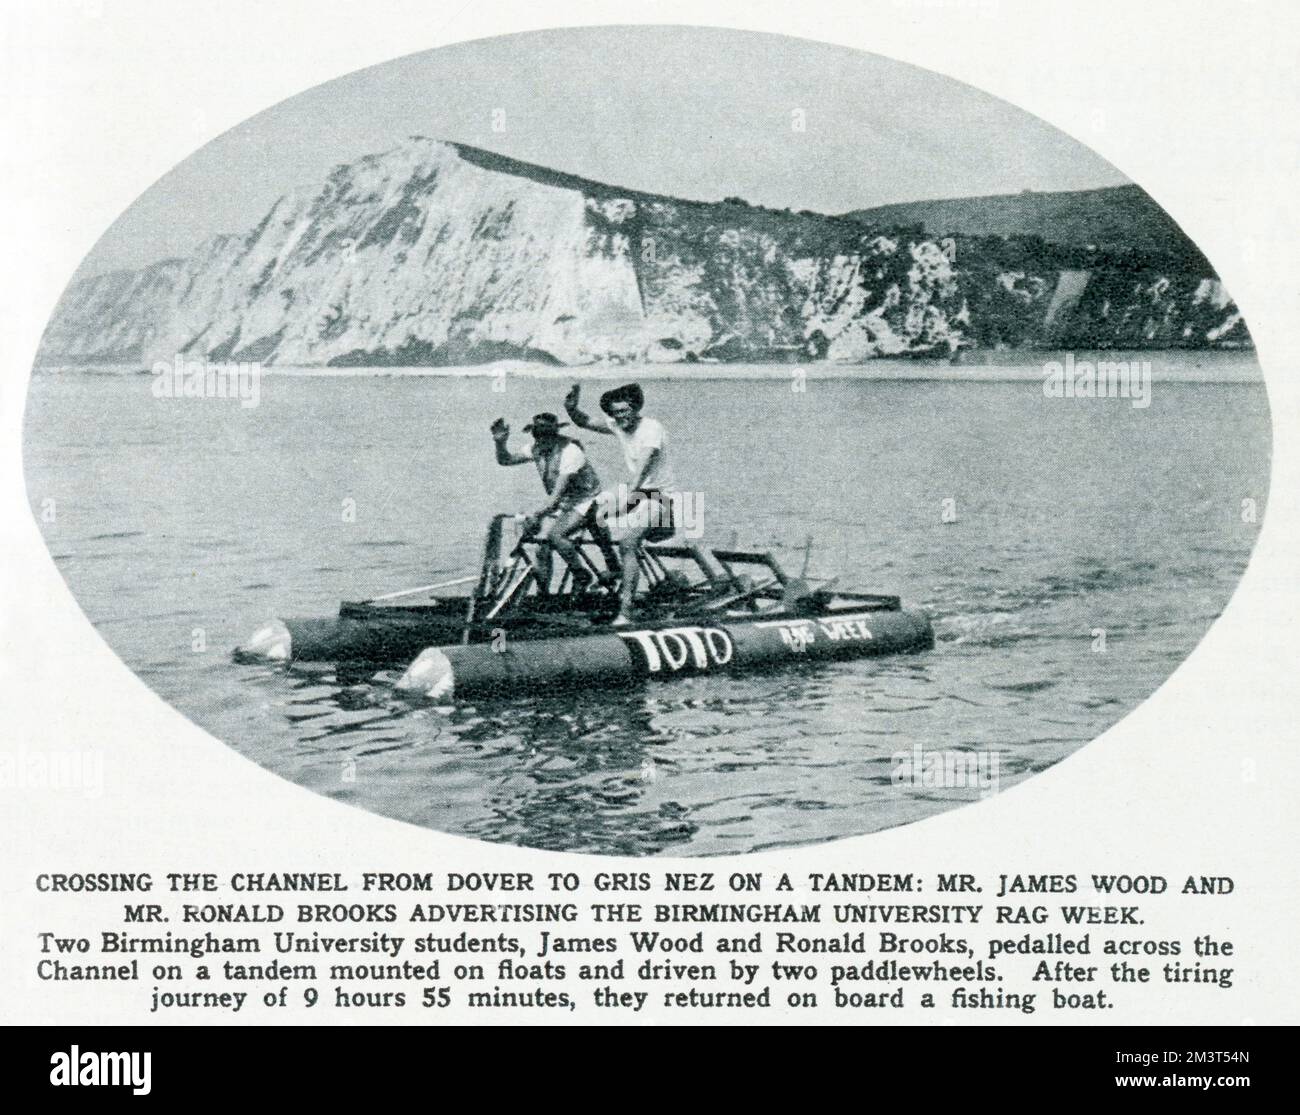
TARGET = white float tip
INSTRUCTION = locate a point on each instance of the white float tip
(271, 641)
(430, 674)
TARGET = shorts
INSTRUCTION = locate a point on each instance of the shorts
(580, 506)
(570, 514)
(642, 511)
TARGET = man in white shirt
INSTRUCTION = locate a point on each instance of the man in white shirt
(644, 508)
(571, 482)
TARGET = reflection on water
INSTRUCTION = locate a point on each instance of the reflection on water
(1072, 519)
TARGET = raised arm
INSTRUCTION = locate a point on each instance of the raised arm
(577, 417)
(500, 435)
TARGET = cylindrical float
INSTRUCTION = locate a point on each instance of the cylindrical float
(627, 655)
(389, 638)
(344, 639)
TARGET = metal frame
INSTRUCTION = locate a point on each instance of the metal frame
(502, 584)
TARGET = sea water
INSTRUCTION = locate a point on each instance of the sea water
(1071, 551)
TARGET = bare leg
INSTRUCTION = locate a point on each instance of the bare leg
(542, 559)
(628, 546)
(597, 520)
(600, 532)
(557, 538)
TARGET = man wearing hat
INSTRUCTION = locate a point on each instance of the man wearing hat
(571, 483)
(642, 510)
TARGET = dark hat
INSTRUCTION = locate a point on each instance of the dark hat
(628, 393)
(544, 425)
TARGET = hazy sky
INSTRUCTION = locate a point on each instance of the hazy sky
(690, 112)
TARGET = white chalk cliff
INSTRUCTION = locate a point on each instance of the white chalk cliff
(438, 253)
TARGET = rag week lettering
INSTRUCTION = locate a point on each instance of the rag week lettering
(706, 647)
(798, 635)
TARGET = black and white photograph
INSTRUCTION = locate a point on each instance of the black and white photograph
(649, 440)
(604, 516)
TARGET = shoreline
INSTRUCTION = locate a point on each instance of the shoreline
(1167, 366)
